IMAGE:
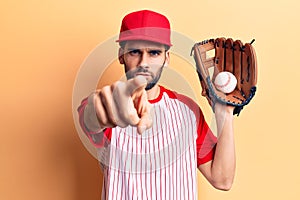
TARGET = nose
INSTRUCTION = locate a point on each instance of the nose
(144, 60)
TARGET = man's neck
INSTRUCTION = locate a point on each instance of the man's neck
(153, 93)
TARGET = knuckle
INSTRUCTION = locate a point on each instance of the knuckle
(117, 89)
(114, 85)
(102, 121)
(113, 119)
(96, 97)
(104, 91)
(105, 94)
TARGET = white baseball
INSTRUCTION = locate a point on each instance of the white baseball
(225, 82)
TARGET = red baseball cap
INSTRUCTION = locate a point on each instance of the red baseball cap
(145, 25)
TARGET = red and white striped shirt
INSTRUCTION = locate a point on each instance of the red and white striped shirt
(161, 163)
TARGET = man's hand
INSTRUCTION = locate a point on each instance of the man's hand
(122, 104)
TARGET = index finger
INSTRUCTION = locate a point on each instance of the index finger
(126, 96)
(135, 85)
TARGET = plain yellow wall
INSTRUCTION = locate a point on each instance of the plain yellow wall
(43, 44)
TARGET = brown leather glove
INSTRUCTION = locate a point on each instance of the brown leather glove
(231, 56)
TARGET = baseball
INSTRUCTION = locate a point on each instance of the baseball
(225, 82)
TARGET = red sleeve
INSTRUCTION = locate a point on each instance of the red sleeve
(97, 139)
(205, 143)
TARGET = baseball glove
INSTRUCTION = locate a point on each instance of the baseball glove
(231, 56)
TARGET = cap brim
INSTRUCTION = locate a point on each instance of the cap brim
(142, 37)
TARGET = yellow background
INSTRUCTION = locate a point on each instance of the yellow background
(42, 45)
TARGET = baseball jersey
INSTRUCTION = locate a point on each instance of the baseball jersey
(161, 163)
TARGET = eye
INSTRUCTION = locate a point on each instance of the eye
(134, 52)
(155, 52)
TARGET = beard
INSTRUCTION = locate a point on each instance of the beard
(150, 83)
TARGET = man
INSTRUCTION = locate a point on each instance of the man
(151, 139)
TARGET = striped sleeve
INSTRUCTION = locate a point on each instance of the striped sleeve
(206, 140)
(97, 139)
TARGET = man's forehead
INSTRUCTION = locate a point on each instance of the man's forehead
(140, 44)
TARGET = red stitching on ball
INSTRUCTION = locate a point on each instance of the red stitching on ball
(228, 81)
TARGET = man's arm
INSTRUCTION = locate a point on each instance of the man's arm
(89, 123)
(221, 170)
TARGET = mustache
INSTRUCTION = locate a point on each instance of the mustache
(140, 69)
(143, 70)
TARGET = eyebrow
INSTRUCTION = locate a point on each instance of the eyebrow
(148, 49)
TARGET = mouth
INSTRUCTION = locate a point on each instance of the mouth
(142, 74)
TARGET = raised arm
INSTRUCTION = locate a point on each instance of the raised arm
(221, 170)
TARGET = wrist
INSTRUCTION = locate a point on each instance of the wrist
(90, 117)
(221, 109)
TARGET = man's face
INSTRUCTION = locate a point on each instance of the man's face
(144, 58)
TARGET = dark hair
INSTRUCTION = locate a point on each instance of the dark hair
(122, 45)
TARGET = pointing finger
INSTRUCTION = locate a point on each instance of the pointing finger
(124, 101)
(136, 85)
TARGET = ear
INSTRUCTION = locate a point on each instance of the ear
(167, 59)
(121, 56)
